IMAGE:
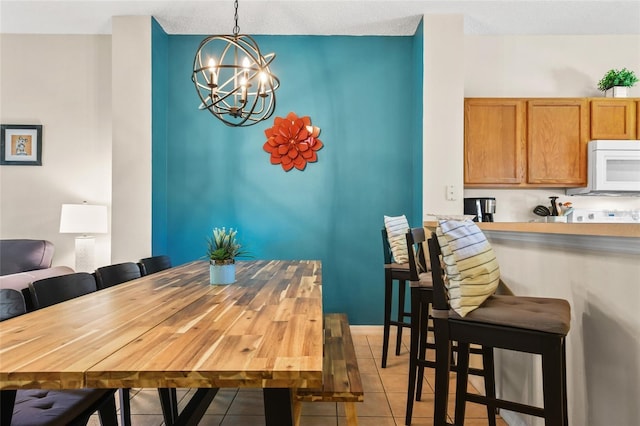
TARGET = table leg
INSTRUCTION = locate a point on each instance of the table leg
(278, 406)
(169, 404)
(192, 413)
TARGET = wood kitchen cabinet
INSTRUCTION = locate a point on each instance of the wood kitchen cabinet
(494, 142)
(614, 118)
(557, 136)
(514, 142)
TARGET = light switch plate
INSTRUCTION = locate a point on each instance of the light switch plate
(451, 193)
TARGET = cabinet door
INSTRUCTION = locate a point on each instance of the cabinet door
(613, 119)
(638, 119)
(557, 136)
(494, 145)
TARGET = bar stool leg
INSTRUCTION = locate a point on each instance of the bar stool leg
(443, 366)
(413, 353)
(489, 383)
(388, 287)
(402, 284)
(461, 382)
(565, 409)
(422, 345)
(552, 382)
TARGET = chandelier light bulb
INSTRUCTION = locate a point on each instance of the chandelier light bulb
(213, 76)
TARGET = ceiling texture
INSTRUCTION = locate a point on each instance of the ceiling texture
(321, 17)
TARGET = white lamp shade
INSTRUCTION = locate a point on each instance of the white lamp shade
(83, 219)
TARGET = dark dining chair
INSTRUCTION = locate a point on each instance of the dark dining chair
(526, 324)
(108, 276)
(49, 291)
(153, 264)
(12, 303)
(393, 272)
(28, 407)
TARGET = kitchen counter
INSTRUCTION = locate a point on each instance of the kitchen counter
(607, 237)
(626, 230)
(594, 266)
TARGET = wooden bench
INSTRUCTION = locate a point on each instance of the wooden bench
(341, 378)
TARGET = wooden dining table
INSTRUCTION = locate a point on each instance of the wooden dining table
(173, 330)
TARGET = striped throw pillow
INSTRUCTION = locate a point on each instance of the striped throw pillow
(470, 264)
(397, 227)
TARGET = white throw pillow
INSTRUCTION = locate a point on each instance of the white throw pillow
(397, 227)
(471, 266)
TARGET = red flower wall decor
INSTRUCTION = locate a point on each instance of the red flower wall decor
(292, 142)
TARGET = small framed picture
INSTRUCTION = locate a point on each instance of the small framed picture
(21, 145)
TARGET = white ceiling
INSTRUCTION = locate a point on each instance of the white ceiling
(322, 17)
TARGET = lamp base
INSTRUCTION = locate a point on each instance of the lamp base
(85, 254)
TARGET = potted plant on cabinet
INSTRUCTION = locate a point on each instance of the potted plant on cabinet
(615, 82)
(222, 250)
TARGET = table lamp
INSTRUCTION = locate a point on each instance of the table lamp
(84, 219)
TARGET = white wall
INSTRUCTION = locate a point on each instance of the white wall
(64, 84)
(443, 109)
(131, 233)
(545, 66)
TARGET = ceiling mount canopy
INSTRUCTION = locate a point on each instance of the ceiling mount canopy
(233, 78)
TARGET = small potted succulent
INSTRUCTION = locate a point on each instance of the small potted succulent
(222, 250)
(615, 82)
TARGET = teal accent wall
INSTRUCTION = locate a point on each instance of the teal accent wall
(365, 94)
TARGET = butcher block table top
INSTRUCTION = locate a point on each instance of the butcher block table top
(173, 329)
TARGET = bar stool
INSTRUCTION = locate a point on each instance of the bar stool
(393, 272)
(421, 284)
(525, 324)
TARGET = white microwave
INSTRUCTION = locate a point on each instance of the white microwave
(613, 169)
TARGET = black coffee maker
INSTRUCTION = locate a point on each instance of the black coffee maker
(482, 208)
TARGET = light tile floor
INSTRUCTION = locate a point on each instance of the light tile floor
(384, 403)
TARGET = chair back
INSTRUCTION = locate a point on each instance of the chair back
(11, 303)
(49, 291)
(108, 276)
(386, 248)
(415, 251)
(153, 264)
(440, 296)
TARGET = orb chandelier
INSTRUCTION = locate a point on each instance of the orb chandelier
(233, 78)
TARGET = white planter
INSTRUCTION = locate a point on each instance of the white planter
(222, 274)
(616, 92)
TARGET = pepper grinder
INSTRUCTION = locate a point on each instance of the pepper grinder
(554, 206)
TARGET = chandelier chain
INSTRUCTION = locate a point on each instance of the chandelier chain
(236, 28)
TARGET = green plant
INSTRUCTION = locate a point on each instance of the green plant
(613, 77)
(223, 246)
